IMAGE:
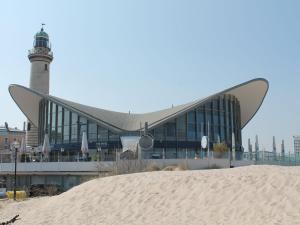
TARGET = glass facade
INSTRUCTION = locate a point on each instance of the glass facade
(181, 137)
(176, 138)
(65, 129)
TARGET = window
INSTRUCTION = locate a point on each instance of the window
(59, 116)
(59, 135)
(200, 123)
(208, 113)
(102, 134)
(74, 127)
(46, 67)
(53, 125)
(216, 137)
(66, 117)
(66, 135)
(222, 134)
(215, 118)
(170, 153)
(181, 128)
(82, 126)
(191, 125)
(171, 131)
(159, 133)
(92, 131)
(113, 137)
(222, 115)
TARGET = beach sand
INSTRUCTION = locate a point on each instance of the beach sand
(250, 195)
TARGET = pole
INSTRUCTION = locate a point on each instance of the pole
(116, 160)
(229, 157)
(186, 158)
(208, 143)
(15, 182)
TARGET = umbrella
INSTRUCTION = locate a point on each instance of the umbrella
(84, 144)
(46, 149)
(23, 146)
(130, 143)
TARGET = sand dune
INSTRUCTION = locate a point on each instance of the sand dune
(246, 195)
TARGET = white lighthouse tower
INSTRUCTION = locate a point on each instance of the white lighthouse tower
(40, 57)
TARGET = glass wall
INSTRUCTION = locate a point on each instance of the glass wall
(59, 124)
(74, 127)
(82, 125)
(65, 128)
(177, 137)
(171, 130)
(191, 125)
(53, 123)
(102, 134)
(92, 134)
(220, 116)
(159, 133)
(200, 123)
(181, 128)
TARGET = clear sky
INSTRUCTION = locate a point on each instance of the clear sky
(147, 55)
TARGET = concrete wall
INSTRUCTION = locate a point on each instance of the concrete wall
(39, 76)
(107, 166)
(70, 174)
(56, 167)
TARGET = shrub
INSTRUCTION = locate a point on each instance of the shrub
(220, 149)
(152, 167)
(169, 168)
(52, 190)
(179, 167)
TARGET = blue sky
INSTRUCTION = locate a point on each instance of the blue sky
(147, 55)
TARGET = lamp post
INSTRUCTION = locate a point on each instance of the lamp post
(15, 146)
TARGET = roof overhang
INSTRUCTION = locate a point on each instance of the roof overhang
(250, 95)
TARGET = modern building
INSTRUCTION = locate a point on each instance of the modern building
(177, 130)
(297, 145)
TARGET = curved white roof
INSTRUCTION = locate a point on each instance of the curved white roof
(250, 95)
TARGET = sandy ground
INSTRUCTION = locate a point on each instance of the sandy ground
(246, 195)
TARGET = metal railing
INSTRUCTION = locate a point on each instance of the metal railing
(58, 156)
(38, 51)
(259, 159)
(269, 158)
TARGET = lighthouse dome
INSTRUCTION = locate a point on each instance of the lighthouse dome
(42, 33)
(41, 39)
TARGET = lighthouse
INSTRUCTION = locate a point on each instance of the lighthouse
(40, 57)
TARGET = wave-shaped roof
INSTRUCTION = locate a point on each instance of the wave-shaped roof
(250, 95)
